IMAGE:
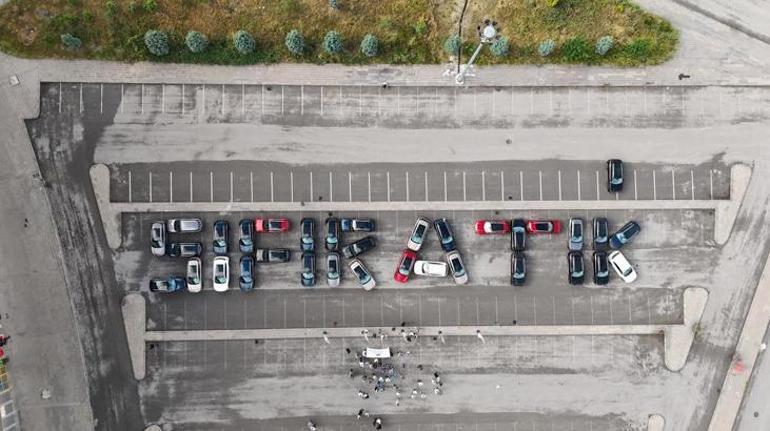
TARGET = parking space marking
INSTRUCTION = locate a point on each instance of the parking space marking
(191, 188)
(162, 98)
(60, 90)
(350, 187)
(243, 103)
(692, 185)
(502, 185)
(203, 99)
(282, 99)
(559, 175)
(170, 186)
(426, 186)
(540, 179)
(312, 198)
(654, 187)
(369, 185)
(630, 318)
(141, 100)
(387, 180)
(211, 186)
(262, 98)
(101, 98)
(649, 310)
(578, 185)
(121, 104)
(272, 187)
(534, 309)
(465, 189)
(231, 186)
(121, 98)
(521, 185)
(636, 190)
(129, 187)
(591, 300)
(673, 185)
(597, 185)
(291, 185)
(80, 100)
(222, 106)
(406, 175)
(711, 184)
(150, 176)
(251, 185)
(445, 189)
(483, 185)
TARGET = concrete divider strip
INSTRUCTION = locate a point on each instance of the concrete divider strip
(100, 180)
(134, 321)
(678, 338)
(656, 423)
(726, 211)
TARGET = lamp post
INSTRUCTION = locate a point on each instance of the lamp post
(488, 32)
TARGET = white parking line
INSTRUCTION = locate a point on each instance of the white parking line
(191, 188)
(426, 187)
(483, 185)
(211, 186)
(597, 185)
(222, 106)
(445, 189)
(129, 186)
(692, 185)
(369, 185)
(141, 101)
(350, 187)
(502, 185)
(387, 177)
(649, 310)
(101, 98)
(60, 90)
(360, 100)
(121, 86)
(540, 180)
(163, 98)
(80, 103)
(559, 184)
(282, 99)
(406, 174)
(121, 98)
(243, 100)
(231, 186)
(711, 184)
(636, 190)
(322, 100)
(251, 185)
(150, 175)
(203, 99)
(170, 186)
(465, 189)
(312, 196)
(521, 185)
(578, 184)
(531, 101)
(291, 184)
(339, 99)
(673, 185)
(262, 99)
(331, 188)
(272, 188)
(301, 100)
(654, 187)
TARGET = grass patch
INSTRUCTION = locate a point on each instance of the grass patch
(408, 31)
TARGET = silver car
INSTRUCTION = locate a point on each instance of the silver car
(158, 238)
(419, 232)
(333, 269)
(457, 267)
(184, 225)
(575, 234)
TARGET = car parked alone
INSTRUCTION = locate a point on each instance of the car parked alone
(359, 247)
(184, 225)
(308, 269)
(333, 273)
(357, 225)
(184, 249)
(158, 238)
(246, 276)
(624, 235)
(307, 238)
(601, 268)
(272, 255)
(194, 281)
(518, 268)
(431, 269)
(264, 225)
(332, 234)
(614, 175)
(492, 227)
(221, 237)
(457, 267)
(445, 234)
(174, 283)
(544, 226)
(419, 232)
(622, 266)
(246, 236)
(518, 234)
(575, 234)
(362, 273)
(577, 272)
(601, 233)
(221, 273)
(405, 265)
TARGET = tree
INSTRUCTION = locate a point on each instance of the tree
(156, 42)
(604, 45)
(332, 43)
(546, 47)
(452, 44)
(243, 42)
(295, 43)
(370, 45)
(70, 41)
(196, 41)
(500, 47)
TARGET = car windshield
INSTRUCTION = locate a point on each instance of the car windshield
(279, 254)
(518, 229)
(332, 265)
(458, 267)
(577, 231)
(628, 271)
(601, 230)
(220, 279)
(219, 243)
(193, 280)
(419, 232)
(219, 229)
(156, 233)
(577, 268)
(274, 224)
(406, 263)
(246, 240)
(622, 238)
(362, 275)
(495, 227)
(307, 239)
(331, 239)
(363, 224)
(543, 226)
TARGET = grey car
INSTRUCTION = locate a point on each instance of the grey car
(601, 233)
(575, 234)
(184, 249)
(158, 238)
(184, 225)
(333, 269)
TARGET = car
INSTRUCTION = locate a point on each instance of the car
(333, 273)
(431, 269)
(307, 238)
(457, 267)
(614, 175)
(184, 225)
(577, 272)
(624, 235)
(601, 268)
(492, 227)
(246, 277)
(184, 249)
(174, 283)
(221, 273)
(221, 237)
(575, 234)
(158, 238)
(543, 226)
(622, 266)
(272, 255)
(518, 268)
(445, 234)
(246, 236)
(332, 234)
(601, 233)
(271, 224)
(405, 265)
(361, 246)
(362, 273)
(357, 224)
(308, 269)
(194, 282)
(419, 232)
(518, 234)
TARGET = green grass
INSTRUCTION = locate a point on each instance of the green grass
(409, 31)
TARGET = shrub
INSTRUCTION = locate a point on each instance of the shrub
(295, 43)
(604, 44)
(500, 47)
(111, 7)
(196, 41)
(552, 3)
(133, 6)
(150, 6)
(546, 47)
(576, 50)
(332, 43)
(452, 44)
(639, 49)
(71, 41)
(421, 27)
(334, 4)
(369, 45)
(243, 42)
(156, 42)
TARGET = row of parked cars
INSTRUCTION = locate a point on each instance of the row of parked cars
(333, 227)
(409, 262)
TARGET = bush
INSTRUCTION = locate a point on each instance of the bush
(111, 7)
(71, 41)
(552, 3)
(369, 45)
(243, 42)
(332, 43)
(196, 42)
(421, 27)
(452, 44)
(604, 44)
(334, 4)
(149, 6)
(133, 6)
(156, 42)
(546, 47)
(576, 50)
(295, 43)
(500, 47)
(639, 49)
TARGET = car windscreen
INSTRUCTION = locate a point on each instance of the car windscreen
(332, 266)
(362, 275)
(406, 264)
(307, 262)
(458, 267)
(577, 230)
(496, 227)
(543, 226)
(419, 232)
(601, 230)
(274, 224)
(219, 229)
(577, 266)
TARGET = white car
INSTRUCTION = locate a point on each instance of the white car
(221, 273)
(622, 266)
(194, 283)
(158, 238)
(364, 276)
(419, 232)
(431, 269)
(457, 267)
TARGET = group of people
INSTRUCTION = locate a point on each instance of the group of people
(3, 341)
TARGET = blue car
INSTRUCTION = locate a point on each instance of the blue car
(221, 237)
(174, 283)
(445, 234)
(624, 235)
(246, 278)
(308, 269)
(246, 236)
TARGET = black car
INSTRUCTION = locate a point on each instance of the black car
(246, 278)
(577, 273)
(308, 269)
(221, 237)
(307, 241)
(361, 246)
(246, 236)
(624, 235)
(601, 233)
(518, 234)
(601, 268)
(518, 268)
(332, 234)
(174, 283)
(614, 175)
(184, 249)
(445, 235)
(272, 255)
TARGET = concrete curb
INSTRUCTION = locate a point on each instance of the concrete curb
(678, 338)
(134, 321)
(727, 211)
(656, 423)
(100, 180)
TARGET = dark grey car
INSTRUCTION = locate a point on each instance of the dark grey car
(601, 228)
(361, 246)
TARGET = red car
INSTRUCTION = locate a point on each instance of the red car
(492, 227)
(543, 226)
(405, 265)
(271, 224)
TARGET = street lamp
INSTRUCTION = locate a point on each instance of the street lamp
(488, 33)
